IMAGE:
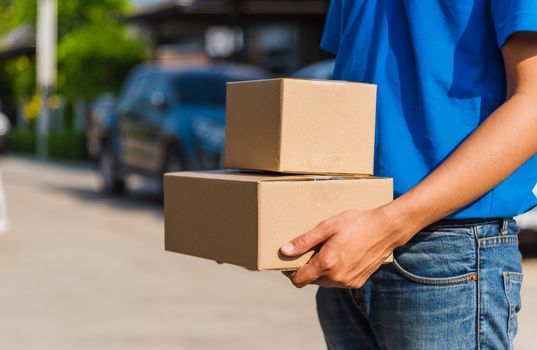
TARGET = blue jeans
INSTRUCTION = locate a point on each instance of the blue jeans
(453, 286)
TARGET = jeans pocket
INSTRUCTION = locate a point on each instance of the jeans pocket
(434, 281)
(439, 258)
(512, 282)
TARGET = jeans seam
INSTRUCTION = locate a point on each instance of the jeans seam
(498, 240)
(509, 278)
(495, 244)
(478, 287)
(359, 304)
(353, 298)
(515, 276)
(510, 318)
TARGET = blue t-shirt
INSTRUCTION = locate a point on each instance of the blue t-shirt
(440, 73)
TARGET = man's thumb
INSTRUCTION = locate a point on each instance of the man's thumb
(305, 242)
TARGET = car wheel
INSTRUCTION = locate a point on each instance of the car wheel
(111, 182)
(173, 162)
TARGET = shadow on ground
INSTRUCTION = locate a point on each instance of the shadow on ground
(145, 198)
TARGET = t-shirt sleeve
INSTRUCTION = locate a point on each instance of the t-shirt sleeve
(511, 16)
(332, 27)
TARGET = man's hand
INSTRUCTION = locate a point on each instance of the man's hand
(354, 244)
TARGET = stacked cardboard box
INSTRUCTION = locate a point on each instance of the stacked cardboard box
(308, 149)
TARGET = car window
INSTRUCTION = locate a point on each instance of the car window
(240, 76)
(132, 90)
(200, 89)
(142, 96)
(137, 94)
(147, 89)
(319, 70)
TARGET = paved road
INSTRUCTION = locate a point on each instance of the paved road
(81, 271)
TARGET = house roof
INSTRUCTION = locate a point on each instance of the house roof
(19, 41)
(192, 9)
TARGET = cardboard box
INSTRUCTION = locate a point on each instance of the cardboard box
(244, 218)
(300, 126)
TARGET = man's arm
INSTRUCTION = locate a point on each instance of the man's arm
(355, 243)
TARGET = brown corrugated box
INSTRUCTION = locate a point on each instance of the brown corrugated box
(300, 126)
(243, 218)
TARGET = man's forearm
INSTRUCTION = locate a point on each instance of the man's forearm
(497, 148)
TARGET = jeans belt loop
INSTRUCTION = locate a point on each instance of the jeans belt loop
(505, 226)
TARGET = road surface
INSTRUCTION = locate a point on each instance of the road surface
(82, 271)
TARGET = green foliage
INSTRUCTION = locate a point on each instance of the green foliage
(94, 48)
(16, 12)
(74, 14)
(67, 144)
(22, 71)
(22, 140)
(19, 73)
(95, 51)
(96, 58)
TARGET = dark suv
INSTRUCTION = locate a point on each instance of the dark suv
(166, 119)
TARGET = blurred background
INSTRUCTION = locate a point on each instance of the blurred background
(97, 99)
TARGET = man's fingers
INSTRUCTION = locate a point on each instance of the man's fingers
(289, 274)
(307, 241)
(321, 281)
(324, 281)
(308, 273)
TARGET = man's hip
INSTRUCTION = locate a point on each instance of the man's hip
(455, 285)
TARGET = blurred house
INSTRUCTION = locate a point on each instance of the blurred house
(280, 35)
(17, 43)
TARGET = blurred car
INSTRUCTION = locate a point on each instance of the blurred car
(319, 70)
(98, 123)
(5, 126)
(167, 118)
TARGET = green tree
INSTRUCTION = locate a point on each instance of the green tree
(95, 50)
(96, 58)
(16, 12)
